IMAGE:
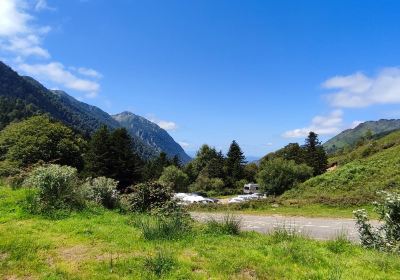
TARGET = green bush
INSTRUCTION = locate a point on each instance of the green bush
(174, 178)
(229, 225)
(55, 187)
(387, 236)
(278, 175)
(153, 198)
(103, 191)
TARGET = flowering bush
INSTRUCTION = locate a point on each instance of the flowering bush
(387, 236)
(54, 187)
(103, 191)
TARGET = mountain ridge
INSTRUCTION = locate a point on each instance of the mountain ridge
(23, 96)
(155, 136)
(349, 137)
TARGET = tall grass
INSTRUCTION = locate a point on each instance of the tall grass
(164, 228)
(284, 233)
(230, 225)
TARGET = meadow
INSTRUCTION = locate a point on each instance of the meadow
(96, 243)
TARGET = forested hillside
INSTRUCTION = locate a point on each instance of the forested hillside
(22, 97)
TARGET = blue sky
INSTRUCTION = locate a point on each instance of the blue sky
(261, 72)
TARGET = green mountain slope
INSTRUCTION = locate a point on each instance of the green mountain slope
(349, 137)
(22, 97)
(152, 134)
(370, 168)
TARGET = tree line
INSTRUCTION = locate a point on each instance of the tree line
(110, 153)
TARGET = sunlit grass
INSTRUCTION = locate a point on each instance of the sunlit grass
(103, 244)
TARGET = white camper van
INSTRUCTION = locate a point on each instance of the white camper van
(251, 188)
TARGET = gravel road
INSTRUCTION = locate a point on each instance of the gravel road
(317, 228)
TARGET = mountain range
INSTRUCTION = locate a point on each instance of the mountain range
(22, 97)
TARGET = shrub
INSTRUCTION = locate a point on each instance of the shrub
(229, 225)
(153, 198)
(55, 188)
(278, 175)
(164, 228)
(174, 178)
(159, 264)
(103, 191)
(387, 236)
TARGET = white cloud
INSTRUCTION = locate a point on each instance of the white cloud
(18, 34)
(184, 144)
(20, 37)
(89, 72)
(42, 5)
(167, 125)
(26, 46)
(358, 90)
(323, 125)
(56, 72)
(269, 144)
(13, 19)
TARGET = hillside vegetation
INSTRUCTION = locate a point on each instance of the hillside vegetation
(362, 172)
(103, 244)
(349, 138)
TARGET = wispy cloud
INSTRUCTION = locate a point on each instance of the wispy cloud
(323, 125)
(56, 73)
(89, 72)
(21, 38)
(167, 125)
(42, 5)
(183, 144)
(359, 90)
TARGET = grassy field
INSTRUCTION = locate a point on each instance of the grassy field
(102, 244)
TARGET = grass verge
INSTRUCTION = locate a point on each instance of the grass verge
(103, 244)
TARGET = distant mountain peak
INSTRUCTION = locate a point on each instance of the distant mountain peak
(152, 134)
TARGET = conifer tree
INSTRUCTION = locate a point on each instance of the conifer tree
(97, 157)
(235, 163)
(125, 164)
(110, 154)
(315, 155)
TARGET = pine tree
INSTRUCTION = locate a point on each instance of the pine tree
(235, 163)
(155, 167)
(126, 166)
(110, 154)
(97, 157)
(176, 161)
(315, 154)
